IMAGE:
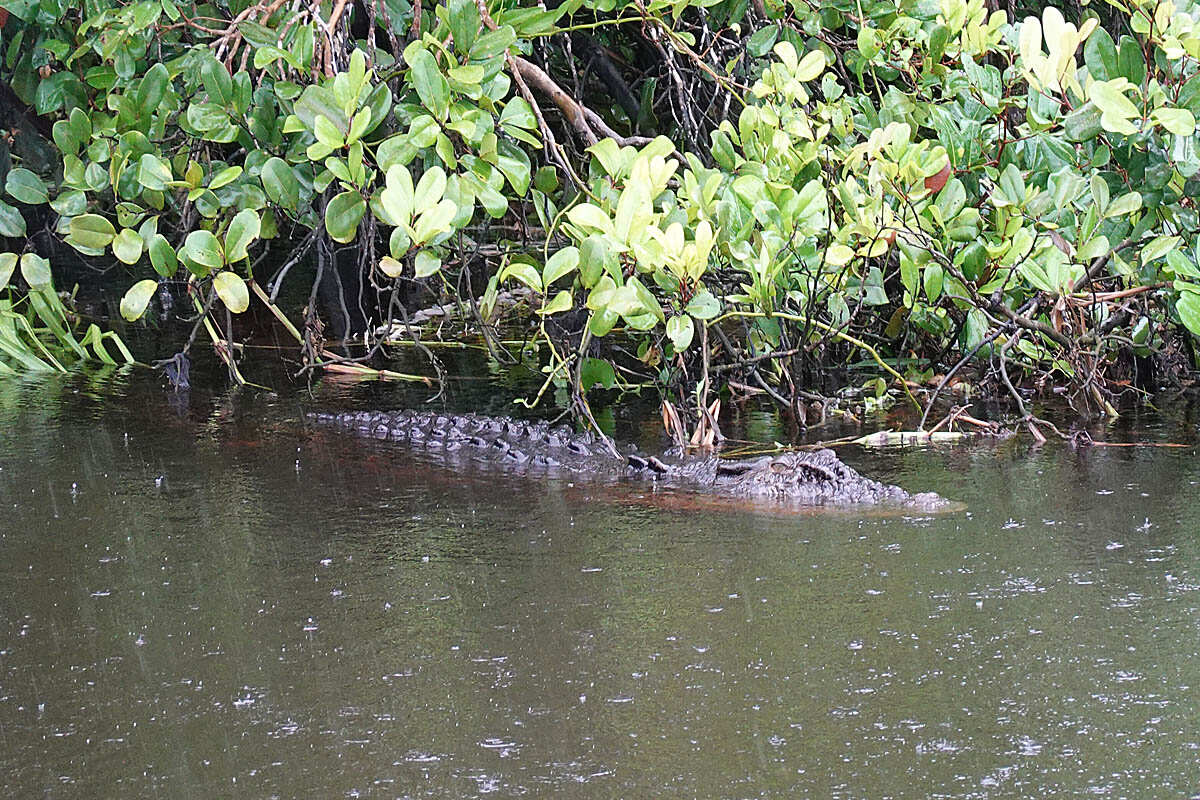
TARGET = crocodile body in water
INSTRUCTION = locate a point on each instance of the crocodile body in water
(816, 478)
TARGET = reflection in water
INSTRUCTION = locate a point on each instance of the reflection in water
(217, 603)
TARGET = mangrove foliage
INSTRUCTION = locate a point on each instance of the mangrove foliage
(708, 197)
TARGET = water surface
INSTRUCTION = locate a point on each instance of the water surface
(200, 598)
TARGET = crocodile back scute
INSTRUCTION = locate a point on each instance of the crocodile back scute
(491, 439)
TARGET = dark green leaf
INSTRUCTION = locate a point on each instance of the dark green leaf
(431, 86)
(595, 371)
(342, 216)
(162, 256)
(152, 89)
(1131, 62)
(217, 82)
(280, 183)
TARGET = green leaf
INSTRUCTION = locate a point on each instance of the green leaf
(1131, 61)
(703, 305)
(26, 187)
(431, 86)
(1125, 204)
(518, 113)
(36, 271)
(429, 190)
(523, 272)
(92, 231)
(493, 44)
(760, 43)
(134, 303)
(8, 263)
(232, 290)
(435, 222)
(280, 184)
(811, 66)
(225, 177)
(559, 264)
(154, 173)
(202, 253)
(397, 196)
(426, 263)
(1012, 185)
(561, 302)
(1158, 247)
(1182, 265)
(602, 321)
(127, 246)
(342, 216)
(152, 89)
(1178, 121)
(933, 277)
(217, 82)
(608, 153)
(515, 165)
(586, 215)
(328, 134)
(1100, 55)
(1188, 306)
(597, 371)
(243, 229)
(70, 203)
(1116, 109)
(680, 330)
(162, 256)
(12, 224)
(464, 24)
(594, 257)
(359, 125)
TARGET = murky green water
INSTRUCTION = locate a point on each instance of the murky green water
(201, 599)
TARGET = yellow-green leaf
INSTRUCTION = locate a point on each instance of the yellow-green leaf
(561, 302)
(232, 290)
(134, 303)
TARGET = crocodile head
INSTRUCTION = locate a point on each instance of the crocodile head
(816, 478)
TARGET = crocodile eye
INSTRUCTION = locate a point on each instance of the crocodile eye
(780, 467)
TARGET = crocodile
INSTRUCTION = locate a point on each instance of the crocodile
(794, 478)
